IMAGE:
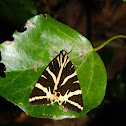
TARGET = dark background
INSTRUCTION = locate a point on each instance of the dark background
(98, 20)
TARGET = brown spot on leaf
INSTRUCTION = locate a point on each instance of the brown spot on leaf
(35, 67)
(40, 62)
(63, 108)
(8, 42)
(54, 117)
(32, 87)
(82, 54)
(29, 24)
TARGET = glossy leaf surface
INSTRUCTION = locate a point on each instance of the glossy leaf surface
(31, 51)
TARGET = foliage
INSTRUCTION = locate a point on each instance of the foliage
(28, 55)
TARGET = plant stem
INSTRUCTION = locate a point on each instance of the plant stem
(109, 40)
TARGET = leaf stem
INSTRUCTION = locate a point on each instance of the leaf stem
(105, 43)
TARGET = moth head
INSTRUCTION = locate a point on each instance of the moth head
(63, 52)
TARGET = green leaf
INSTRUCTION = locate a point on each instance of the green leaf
(33, 49)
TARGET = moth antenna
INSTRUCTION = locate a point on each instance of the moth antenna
(70, 50)
(53, 50)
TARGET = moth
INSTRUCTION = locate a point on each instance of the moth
(58, 83)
